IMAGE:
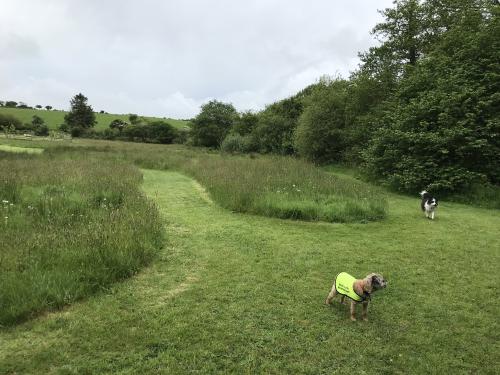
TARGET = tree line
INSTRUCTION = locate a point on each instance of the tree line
(421, 110)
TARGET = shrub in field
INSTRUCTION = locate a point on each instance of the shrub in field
(70, 227)
(6, 121)
(237, 143)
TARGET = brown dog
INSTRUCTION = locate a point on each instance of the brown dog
(358, 290)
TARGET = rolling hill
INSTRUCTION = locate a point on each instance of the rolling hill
(54, 118)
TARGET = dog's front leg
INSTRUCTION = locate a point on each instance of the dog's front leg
(342, 302)
(432, 215)
(365, 310)
(353, 311)
(330, 296)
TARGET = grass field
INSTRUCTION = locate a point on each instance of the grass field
(28, 150)
(55, 118)
(69, 228)
(237, 293)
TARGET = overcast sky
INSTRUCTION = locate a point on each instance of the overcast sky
(166, 58)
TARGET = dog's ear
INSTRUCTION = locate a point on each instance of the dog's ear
(368, 287)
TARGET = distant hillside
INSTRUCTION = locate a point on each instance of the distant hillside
(54, 118)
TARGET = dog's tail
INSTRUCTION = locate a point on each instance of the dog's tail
(423, 193)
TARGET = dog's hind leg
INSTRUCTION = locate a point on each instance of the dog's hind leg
(331, 295)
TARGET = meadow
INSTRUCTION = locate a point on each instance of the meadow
(231, 292)
(70, 227)
(54, 118)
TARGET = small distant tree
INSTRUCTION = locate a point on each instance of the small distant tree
(81, 116)
(11, 104)
(22, 105)
(48, 107)
(37, 121)
(2, 103)
(38, 106)
(134, 119)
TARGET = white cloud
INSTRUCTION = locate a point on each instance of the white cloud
(166, 58)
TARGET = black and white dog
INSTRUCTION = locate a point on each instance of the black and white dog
(429, 204)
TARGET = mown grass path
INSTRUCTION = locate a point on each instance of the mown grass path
(234, 293)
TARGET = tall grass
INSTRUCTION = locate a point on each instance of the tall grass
(69, 227)
(282, 187)
(286, 188)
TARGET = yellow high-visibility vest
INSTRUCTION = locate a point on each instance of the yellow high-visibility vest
(344, 284)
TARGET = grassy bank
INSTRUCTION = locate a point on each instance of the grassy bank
(69, 227)
(54, 118)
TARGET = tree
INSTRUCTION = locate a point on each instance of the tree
(212, 124)
(37, 121)
(322, 135)
(245, 123)
(38, 106)
(442, 129)
(11, 104)
(276, 126)
(134, 119)
(23, 105)
(48, 107)
(80, 116)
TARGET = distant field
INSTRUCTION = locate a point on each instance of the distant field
(55, 118)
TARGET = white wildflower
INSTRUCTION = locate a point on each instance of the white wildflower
(4, 201)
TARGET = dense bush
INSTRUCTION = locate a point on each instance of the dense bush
(236, 143)
(8, 121)
(154, 132)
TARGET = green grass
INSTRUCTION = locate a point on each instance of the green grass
(55, 118)
(69, 228)
(270, 186)
(29, 150)
(237, 293)
(234, 293)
